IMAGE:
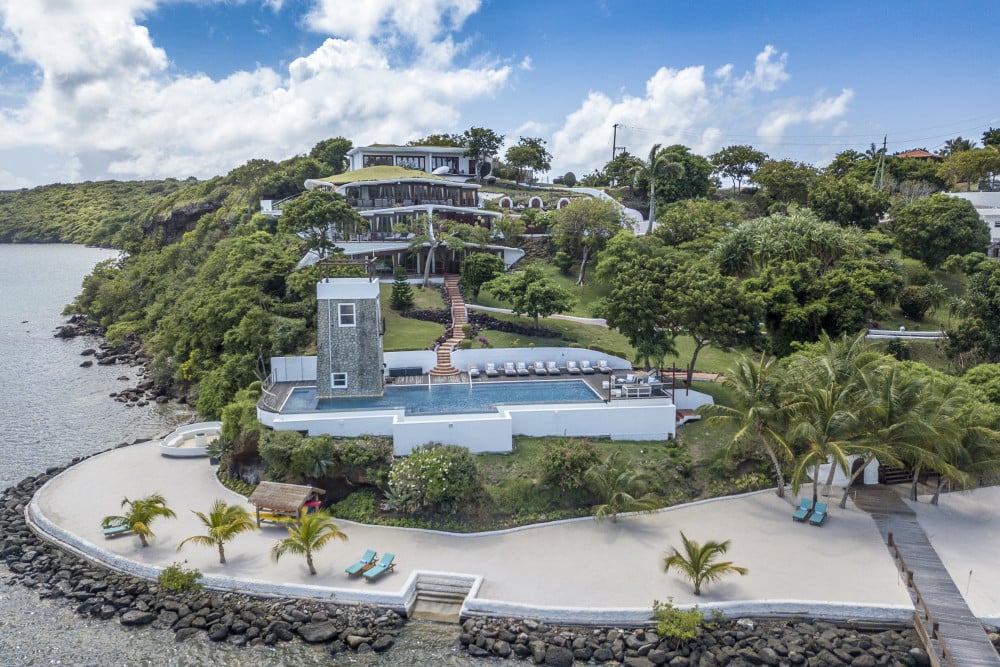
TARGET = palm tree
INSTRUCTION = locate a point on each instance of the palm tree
(755, 412)
(224, 522)
(658, 164)
(697, 562)
(616, 487)
(310, 534)
(141, 513)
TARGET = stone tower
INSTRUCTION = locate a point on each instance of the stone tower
(348, 338)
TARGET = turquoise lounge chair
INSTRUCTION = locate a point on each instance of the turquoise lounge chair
(818, 515)
(385, 565)
(367, 561)
(804, 510)
(115, 526)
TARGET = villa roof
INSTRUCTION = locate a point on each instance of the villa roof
(282, 497)
(395, 148)
(919, 154)
(380, 173)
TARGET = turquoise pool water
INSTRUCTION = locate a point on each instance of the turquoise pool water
(448, 398)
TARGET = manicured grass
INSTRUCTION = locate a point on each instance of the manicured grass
(585, 294)
(404, 333)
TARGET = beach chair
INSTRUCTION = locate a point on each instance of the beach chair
(552, 368)
(508, 369)
(586, 368)
(818, 515)
(572, 368)
(491, 370)
(602, 367)
(473, 371)
(804, 510)
(522, 368)
(386, 564)
(115, 526)
(539, 368)
(367, 561)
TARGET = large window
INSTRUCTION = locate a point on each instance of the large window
(377, 161)
(345, 314)
(410, 162)
(338, 380)
(450, 162)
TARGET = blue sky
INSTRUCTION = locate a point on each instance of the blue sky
(158, 88)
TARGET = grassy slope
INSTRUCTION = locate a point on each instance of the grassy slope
(404, 333)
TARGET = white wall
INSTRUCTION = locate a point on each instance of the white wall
(425, 359)
(461, 359)
(638, 419)
(840, 479)
(479, 433)
(691, 399)
(293, 369)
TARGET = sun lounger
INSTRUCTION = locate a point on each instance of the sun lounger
(586, 368)
(508, 369)
(386, 564)
(473, 371)
(367, 562)
(551, 368)
(572, 368)
(818, 515)
(804, 510)
(602, 366)
(491, 370)
(522, 368)
(115, 526)
(539, 368)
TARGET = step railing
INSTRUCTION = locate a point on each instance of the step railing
(925, 620)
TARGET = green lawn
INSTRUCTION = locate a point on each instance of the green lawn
(404, 333)
(585, 295)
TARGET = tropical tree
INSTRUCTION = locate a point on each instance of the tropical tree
(479, 268)
(321, 217)
(223, 522)
(659, 164)
(141, 513)
(957, 145)
(439, 233)
(249, 178)
(785, 181)
(307, 536)
(755, 410)
(697, 562)
(531, 293)
(582, 229)
(401, 298)
(529, 153)
(332, 153)
(932, 229)
(737, 163)
(481, 144)
(618, 488)
(848, 201)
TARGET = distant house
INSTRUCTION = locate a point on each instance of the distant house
(988, 207)
(445, 161)
(919, 154)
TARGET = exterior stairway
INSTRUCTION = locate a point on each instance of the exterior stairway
(458, 319)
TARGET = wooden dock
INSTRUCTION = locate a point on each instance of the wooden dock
(952, 633)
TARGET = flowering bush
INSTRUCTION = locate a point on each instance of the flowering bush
(484, 341)
(564, 462)
(438, 476)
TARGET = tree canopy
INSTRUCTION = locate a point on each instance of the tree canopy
(332, 153)
(529, 153)
(481, 144)
(530, 293)
(737, 162)
(937, 227)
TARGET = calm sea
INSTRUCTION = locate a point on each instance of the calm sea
(51, 411)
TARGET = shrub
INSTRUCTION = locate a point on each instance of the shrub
(913, 302)
(177, 579)
(465, 344)
(467, 330)
(437, 476)
(360, 506)
(401, 298)
(564, 463)
(672, 623)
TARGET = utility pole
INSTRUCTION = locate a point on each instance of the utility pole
(878, 180)
(614, 141)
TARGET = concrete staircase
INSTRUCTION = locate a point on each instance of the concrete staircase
(443, 367)
(439, 598)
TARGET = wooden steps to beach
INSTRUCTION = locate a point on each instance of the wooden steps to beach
(443, 366)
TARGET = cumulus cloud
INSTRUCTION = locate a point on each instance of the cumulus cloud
(526, 64)
(767, 73)
(795, 112)
(104, 98)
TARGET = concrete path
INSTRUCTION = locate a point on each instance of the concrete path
(578, 565)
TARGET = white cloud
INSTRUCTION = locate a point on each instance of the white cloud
(526, 64)
(794, 112)
(767, 74)
(104, 99)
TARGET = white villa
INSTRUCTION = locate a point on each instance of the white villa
(988, 207)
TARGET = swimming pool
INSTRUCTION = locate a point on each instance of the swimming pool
(447, 398)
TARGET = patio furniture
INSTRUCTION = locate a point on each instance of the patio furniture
(552, 369)
(539, 368)
(367, 562)
(572, 368)
(473, 371)
(804, 510)
(491, 370)
(522, 368)
(818, 515)
(602, 366)
(586, 368)
(115, 526)
(386, 564)
(508, 369)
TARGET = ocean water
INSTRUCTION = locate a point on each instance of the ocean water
(51, 411)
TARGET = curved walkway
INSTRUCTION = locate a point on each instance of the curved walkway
(572, 571)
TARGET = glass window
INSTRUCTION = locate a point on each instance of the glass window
(377, 160)
(345, 312)
(410, 162)
(338, 380)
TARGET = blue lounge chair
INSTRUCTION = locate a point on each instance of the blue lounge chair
(115, 526)
(367, 561)
(386, 564)
(804, 510)
(818, 515)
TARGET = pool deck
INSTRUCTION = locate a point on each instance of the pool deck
(570, 571)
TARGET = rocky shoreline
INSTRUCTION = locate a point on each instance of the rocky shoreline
(98, 592)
